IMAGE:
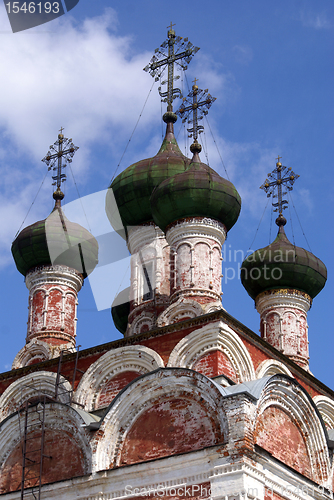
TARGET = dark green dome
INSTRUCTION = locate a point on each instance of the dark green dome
(133, 187)
(120, 310)
(199, 191)
(55, 241)
(283, 265)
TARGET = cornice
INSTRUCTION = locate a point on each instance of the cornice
(197, 322)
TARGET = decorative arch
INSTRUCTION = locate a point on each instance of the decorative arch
(284, 406)
(271, 367)
(181, 310)
(36, 351)
(325, 406)
(202, 242)
(64, 436)
(212, 307)
(30, 386)
(182, 243)
(142, 323)
(147, 395)
(213, 337)
(137, 359)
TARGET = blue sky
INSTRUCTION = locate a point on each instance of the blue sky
(269, 64)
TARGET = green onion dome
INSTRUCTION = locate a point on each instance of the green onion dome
(283, 265)
(132, 188)
(199, 191)
(120, 310)
(55, 241)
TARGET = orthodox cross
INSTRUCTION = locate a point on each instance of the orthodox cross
(196, 99)
(64, 149)
(180, 51)
(280, 178)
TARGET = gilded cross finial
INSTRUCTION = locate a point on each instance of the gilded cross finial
(171, 26)
(196, 99)
(174, 50)
(195, 80)
(64, 151)
(281, 177)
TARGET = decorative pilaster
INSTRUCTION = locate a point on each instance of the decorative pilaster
(284, 322)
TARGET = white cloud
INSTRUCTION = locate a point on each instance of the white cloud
(313, 20)
(80, 77)
(85, 78)
(211, 75)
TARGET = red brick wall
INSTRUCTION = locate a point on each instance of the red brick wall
(114, 386)
(256, 354)
(165, 344)
(67, 461)
(215, 363)
(37, 311)
(278, 434)
(169, 427)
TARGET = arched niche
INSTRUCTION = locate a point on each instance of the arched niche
(165, 412)
(66, 447)
(214, 338)
(325, 406)
(104, 376)
(288, 426)
(271, 367)
(31, 386)
(33, 352)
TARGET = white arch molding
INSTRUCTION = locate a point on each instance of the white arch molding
(38, 349)
(325, 406)
(143, 319)
(185, 307)
(141, 395)
(30, 386)
(130, 358)
(270, 367)
(287, 395)
(216, 336)
(58, 417)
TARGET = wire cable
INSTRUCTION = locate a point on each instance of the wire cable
(83, 209)
(293, 234)
(271, 223)
(126, 147)
(265, 208)
(290, 196)
(214, 140)
(205, 148)
(40, 187)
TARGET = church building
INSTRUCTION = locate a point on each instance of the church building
(190, 404)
